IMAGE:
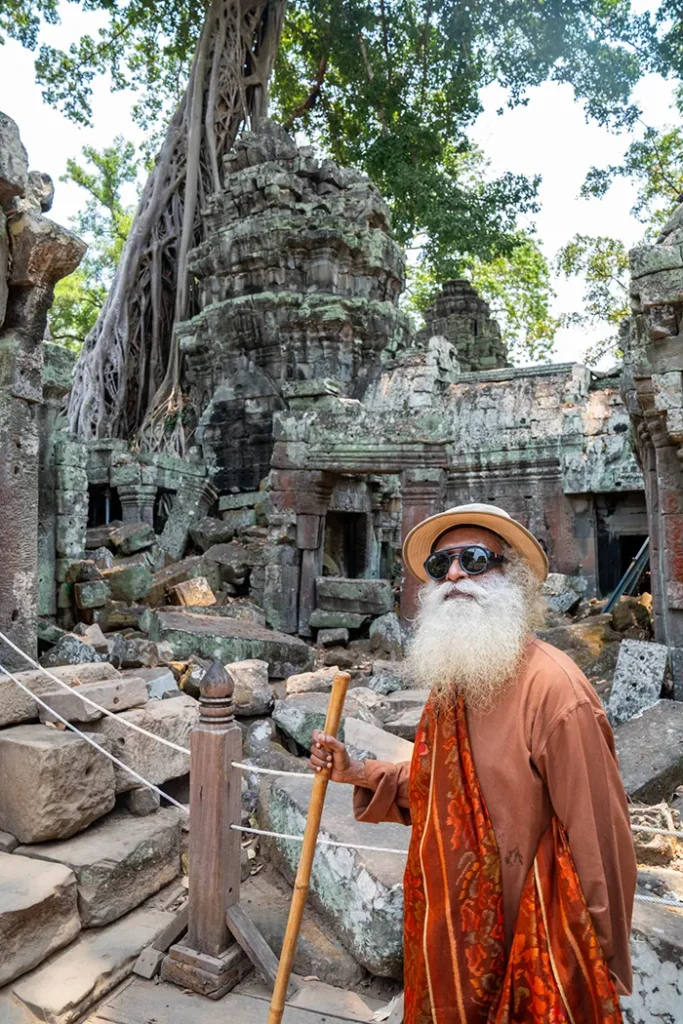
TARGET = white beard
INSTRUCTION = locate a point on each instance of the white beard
(473, 646)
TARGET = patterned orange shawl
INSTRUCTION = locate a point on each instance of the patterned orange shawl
(455, 963)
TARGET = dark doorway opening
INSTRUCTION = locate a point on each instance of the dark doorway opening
(622, 530)
(104, 505)
(346, 544)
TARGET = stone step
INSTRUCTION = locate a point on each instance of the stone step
(171, 719)
(651, 753)
(227, 639)
(16, 706)
(54, 783)
(67, 985)
(358, 893)
(38, 913)
(118, 862)
(112, 695)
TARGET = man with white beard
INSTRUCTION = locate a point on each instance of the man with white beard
(521, 870)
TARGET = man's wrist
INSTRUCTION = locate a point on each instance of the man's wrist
(355, 775)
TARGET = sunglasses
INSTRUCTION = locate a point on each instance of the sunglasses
(474, 560)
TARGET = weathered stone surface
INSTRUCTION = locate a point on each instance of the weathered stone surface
(38, 913)
(171, 719)
(142, 801)
(13, 161)
(253, 692)
(129, 583)
(93, 635)
(128, 538)
(332, 637)
(405, 724)
(160, 681)
(83, 570)
(8, 843)
(387, 636)
(650, 752)
(657, 961)
(266, 899)
(638, 680)
(71, 784)
(312, 682)
(195, 592)
(62, 990)
(387, 677)
(321, 619)
(229, 640)
(118, 862)
(186, 569)
(360, 894)
(583, 641)
(40, 191)
(16, 706)
(94, 594)
(365, 597)
(377, 743)
(299, 715)
(562, 593)
(208, 532)
(71, 650)
(112, 695)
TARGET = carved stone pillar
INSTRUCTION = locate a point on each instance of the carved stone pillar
(423, 494)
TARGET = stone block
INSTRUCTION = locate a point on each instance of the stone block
(210, 531)
(309, 532)
(560, 593)
(128, 583)
(332, 637)
(657, 961)
(8, 843)
(247, 499)
(404, 724)
(253, 692)
(125, 616)
(92, 595)
(377, 743)
(13, 161)
(387, 636)
(281, 597)
(118, 862)
(583, 641)
(195, 592)
(160, 681)
(237, 519)
(142, 801)
(71, 784)
(364, 597)
(387, 677)
(64, 989)
(187, 569)
(92, 635)
(83, 570)
(321, 619)
(228, 640)
(70, 650)
(128, 538)
(17, 706)
(38, 913)
(171, 719)
(113, 695)
(638, 679)
(319, 681)
(360, 895)
(301, 714)
(650, 752)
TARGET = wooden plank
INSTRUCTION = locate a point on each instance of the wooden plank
(148, 964)
(252, 942)
(143, 1002)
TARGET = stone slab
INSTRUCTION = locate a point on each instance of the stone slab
(650, 751)
(253, 692)
(118, 862)
(301, 714)
(8, 842)
(70, 783)
(657, 961)
(405, 725)
(638, 679)
(171, 719)
(62, 990)
(359, 894)
(366, 597)
(377, 743)
(16, 706)
(228, 640)
(322, 619)
(332, 637)
(113, 695)
(195, 592)
(38, 913)
(319, 681)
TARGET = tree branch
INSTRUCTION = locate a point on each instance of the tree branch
(313, 95)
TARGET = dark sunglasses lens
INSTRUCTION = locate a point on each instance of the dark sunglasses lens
(437, 565)
(474, 560)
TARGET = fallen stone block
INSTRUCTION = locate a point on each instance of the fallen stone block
(377, 743)
(387, 677)
(208, 532)
(405, 725)
(253, 692)
(83, 570)
(365, 597)
(171, 719)
(17, 706)
(632, 618)
(92, 635)
(228, 640)
(124, 616)
(71, 784)
(38, 913)
(13, 161)
(118, 862)
(638, 679)
(562, 593)
(651, 753)
(322, 619)
(583, 641)
(332, 637)
(70, 650)
(403, 700)
(92, 595)
(237, 519)
(312, 682)
(359, 894)
(301, 714)
(387, 636)
(128, 583)
(166, 578)
(100, 536)
(112, 695)
(160, 681)
(62, 990)
(130, 538)
(229, 563)
(195, 592)
(142, 801)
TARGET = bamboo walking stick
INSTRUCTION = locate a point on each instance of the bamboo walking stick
(303, 875)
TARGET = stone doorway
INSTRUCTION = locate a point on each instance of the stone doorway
(621, 531)
(346, 551)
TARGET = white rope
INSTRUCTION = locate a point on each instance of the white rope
(656, 831)
(271, 771)
(87, 700)
(659, 899)
(91, 741)
(323, 842)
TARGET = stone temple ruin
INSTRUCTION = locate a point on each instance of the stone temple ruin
(322, 428)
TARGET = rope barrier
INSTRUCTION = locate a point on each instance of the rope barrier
(657, 831)
(270, 771)
(87, 700)
(659, 899)
(322, 842)
(91, 741)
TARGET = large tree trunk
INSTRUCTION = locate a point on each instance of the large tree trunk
(127, 378)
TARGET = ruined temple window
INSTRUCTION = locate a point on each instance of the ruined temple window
(104, 505)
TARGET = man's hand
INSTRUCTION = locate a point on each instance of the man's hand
(327, 752)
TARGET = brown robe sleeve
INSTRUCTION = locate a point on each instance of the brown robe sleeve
(384, 797)
(579, 766)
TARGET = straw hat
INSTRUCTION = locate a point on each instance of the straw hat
(420, 541)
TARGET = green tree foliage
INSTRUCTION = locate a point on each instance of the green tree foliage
(104, 223)
(603, 264)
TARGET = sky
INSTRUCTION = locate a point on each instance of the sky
(549, 136)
